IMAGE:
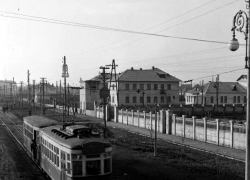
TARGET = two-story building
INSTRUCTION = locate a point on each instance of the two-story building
(213, 92)
(144, 87)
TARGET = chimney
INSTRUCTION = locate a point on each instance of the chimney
(132, 68)
(153, 67)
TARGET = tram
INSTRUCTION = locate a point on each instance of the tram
(67, 152)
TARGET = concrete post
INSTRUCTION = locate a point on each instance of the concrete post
(169, 115)
(194, 127)
(127, 116)
(174, 123)
(150, 117)
(138, 117)
(218, 130)
(183, 124)
(205, 129)
(157, 121)
(107, 113)
(232, 133)
(163, 121)
(144, 118)
(132, 117)
(122, 115)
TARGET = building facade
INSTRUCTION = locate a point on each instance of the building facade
(216, 92)
(144, 87)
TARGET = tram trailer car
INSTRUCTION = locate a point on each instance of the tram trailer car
(71, 151)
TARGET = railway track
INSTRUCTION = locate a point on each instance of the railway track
(14, 128)
(25, 168)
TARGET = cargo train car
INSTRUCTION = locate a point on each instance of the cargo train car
(65, 152)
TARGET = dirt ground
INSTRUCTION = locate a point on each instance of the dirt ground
(133, 158)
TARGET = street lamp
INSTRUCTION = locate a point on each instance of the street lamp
(241, 21)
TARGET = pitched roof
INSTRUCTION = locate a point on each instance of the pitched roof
(153, 74)
(225, 87)
(242, 77)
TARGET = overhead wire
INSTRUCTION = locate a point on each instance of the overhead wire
(113, 29)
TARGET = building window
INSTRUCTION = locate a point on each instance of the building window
(169, 99)
(155, 86)
(148, 99)
(155, 99)
(234, 99)
(141, 86)
(134, 99)
(162, 99)
(169, 87)
(162, 86)
(141, 99)
(127, 99)
(127, 86)
(212, 99)
(245, 99)
(225, 99)
(134, 86)
(238, 99)
(149, 86)
(173, 97)
(221, 99)
(113, 99)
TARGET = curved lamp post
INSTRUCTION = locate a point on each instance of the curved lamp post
(241, 24)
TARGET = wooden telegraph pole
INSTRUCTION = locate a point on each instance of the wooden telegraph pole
(104, 94)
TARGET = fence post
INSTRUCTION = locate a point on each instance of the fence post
(183, 124)
(150, 117)
(205, 129)
(127, 116)
(122, 115)
(194, 127)
(144, 117)
(232, 133)
(158, 121)
(115, 114)
(169, 114)
(107, 113)
(174, 123)
(218, 131)
(138, 116)
(132, 116)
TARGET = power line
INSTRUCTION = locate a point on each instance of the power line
(162, 30)
(215, 74)
(115, 29)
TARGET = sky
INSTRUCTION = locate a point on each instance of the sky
(39, 45)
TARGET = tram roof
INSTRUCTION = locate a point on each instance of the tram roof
(40, 121)
(72, 142)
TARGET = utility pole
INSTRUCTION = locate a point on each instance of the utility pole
(65, 74)
(11, 97)
(104, 96)
(22, 92)
(202, 92)
(34, 89)
(43, 107)
(217, 91)
(155, 140)
(68, 99)
(29, 87)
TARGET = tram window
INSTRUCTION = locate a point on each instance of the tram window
(93, 167)
(93, 156)
(77, 167)
(107, 163)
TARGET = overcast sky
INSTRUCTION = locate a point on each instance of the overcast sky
(40, 46)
